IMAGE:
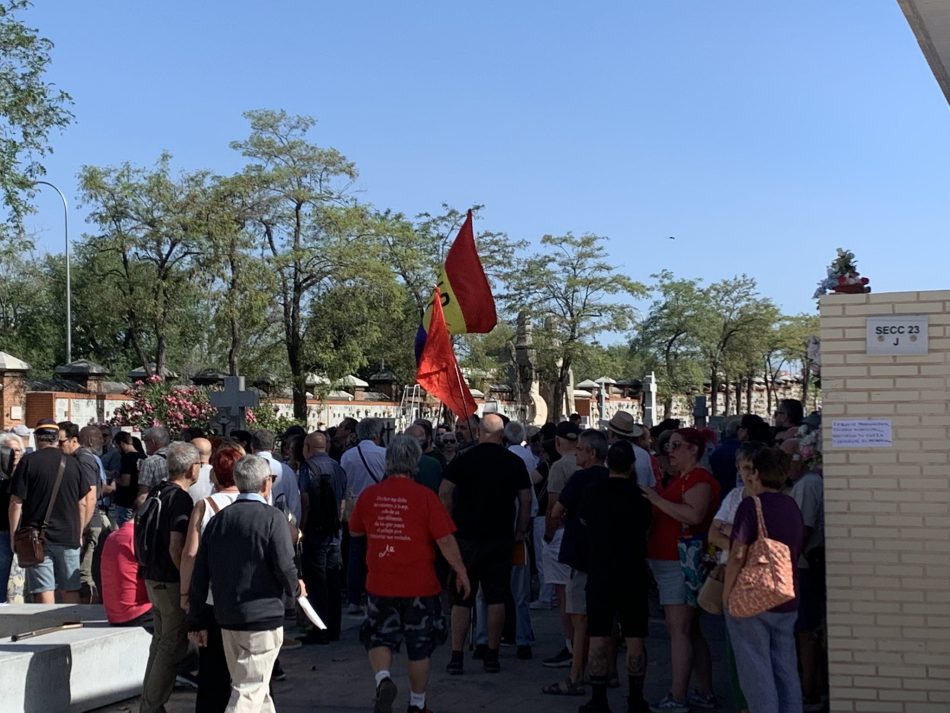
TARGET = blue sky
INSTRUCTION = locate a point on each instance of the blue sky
(762, 135)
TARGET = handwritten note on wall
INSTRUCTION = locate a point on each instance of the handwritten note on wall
(855, 433)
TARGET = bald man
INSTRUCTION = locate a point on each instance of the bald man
(321, 478)
(203, 487)
(486, 488)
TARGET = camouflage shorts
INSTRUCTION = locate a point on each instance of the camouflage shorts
(418, 620)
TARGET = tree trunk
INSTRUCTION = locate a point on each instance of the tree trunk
(749, 393)
(235, 346)
(727, 401)
(713, 391)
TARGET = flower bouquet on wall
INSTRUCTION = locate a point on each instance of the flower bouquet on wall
(843, 276)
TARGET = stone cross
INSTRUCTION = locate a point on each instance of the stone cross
(649, 401)
(232, 404)
(700, 412)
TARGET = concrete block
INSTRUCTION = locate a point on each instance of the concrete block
(70, 671)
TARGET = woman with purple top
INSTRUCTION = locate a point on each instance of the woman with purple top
(764, 644)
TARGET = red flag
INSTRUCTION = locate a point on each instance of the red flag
(467, 302)
(438, 371)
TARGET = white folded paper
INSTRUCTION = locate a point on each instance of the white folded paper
(311, 613)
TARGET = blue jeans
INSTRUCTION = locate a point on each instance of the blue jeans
(764, 648)
(6, 563)
(521, 593)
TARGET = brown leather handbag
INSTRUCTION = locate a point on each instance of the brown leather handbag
(29, 543)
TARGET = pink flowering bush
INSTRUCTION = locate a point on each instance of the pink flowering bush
(155, 402)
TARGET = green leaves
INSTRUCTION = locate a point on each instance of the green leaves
(30, 108)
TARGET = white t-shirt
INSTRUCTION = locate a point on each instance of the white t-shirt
(727, 514)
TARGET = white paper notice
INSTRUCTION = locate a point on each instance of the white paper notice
(310, 612)
(853, 433)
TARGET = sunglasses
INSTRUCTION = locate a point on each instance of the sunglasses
(449, 440)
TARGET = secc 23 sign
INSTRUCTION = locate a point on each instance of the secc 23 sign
(897, 335)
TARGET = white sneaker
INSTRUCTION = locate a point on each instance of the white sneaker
(668, 704)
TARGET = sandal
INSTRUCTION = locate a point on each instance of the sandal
(564, 688)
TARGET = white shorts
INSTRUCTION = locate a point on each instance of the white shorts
(555, 572)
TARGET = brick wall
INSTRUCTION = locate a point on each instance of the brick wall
(888, 511)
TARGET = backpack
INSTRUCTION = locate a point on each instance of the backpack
(148, 518)
(324, 514)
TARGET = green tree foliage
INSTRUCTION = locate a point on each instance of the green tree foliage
(667, 339)
(30, 108)
(574, 294)
(302, 217)
(152, 225)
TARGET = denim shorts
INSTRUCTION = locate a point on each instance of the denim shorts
(670, 581)
(59, 570)
(417, 620)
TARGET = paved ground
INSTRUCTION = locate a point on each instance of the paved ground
(337, 678)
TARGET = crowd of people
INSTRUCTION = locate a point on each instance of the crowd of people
(209, 543)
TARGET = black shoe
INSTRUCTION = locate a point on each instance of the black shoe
(278, 673)
(316, 638)
(491, 663)
(456, 664)
(524, 653)
(385, 695)
(591, 707)
(479, 653)
(417, 709)
(562, 659)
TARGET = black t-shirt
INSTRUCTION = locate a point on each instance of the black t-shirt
(574, 545)
(4, 505)
(487, 478)
(125, 494)
(617, 517)
(33, 483)
(176, 509)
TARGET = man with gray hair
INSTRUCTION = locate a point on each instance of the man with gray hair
(162, 575)
(246, 558)
(363, 465)
(12, 451)
(401, 522)
(286, 491)
(153, 470)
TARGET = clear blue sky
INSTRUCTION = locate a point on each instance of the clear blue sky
(762, 135)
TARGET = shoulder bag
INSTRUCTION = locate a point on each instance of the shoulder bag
(767, 579)
(349, 501)
(29, 543)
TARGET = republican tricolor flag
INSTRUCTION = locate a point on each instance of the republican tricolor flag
(438, 372)
(467, 301)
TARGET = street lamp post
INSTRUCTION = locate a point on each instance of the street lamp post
(69, 314)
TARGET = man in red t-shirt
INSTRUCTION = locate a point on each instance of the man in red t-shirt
(403, 521)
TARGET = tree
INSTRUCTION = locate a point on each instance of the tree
(303, 218)
(152, 227)
(240, 280)
(570, 288)
(731, 309)
(29, 109)
(667, 338)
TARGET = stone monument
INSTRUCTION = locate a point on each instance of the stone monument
(232, 404)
